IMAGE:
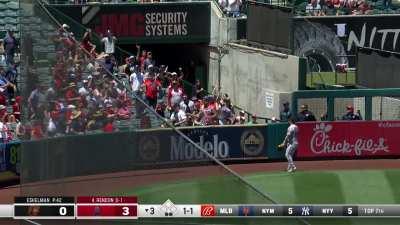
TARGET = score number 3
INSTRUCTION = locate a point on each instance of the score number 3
(125, 211)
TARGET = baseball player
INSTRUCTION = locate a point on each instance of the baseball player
(291, 144)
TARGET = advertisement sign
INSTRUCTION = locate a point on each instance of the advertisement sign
(349, 139)
(220, 142)
(330, 40)
(148, 23)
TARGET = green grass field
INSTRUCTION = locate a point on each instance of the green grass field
(316, 187)
(328, 78)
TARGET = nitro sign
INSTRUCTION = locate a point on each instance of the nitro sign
(348, 139)
(184, 150)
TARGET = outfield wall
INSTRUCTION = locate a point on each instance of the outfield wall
(147, 149)
(162, 148)
(340, 140)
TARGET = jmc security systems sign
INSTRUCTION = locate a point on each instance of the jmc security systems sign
(161, 23)
(349, 139)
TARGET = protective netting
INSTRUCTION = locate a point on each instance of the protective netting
(385, 108)
(343, 105)
(317, 106)
(133, 152)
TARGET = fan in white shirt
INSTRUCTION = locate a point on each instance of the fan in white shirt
(178, 117)
(109, 43)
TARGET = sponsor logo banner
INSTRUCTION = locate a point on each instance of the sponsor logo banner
(349, 139)
(219, 142)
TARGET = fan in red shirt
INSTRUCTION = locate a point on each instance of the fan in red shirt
(16, 109)
(3, 99)
(152, 87)
(109, 126)
(71, 94)
(87, 43)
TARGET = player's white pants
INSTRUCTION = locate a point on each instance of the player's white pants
(290, 150)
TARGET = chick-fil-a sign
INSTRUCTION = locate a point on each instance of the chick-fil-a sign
(349, 139)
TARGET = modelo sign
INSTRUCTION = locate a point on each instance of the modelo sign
(181, 149)
(349, 139)
(151, 22)
(223, 142)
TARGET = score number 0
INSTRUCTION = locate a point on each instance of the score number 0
(62, 211)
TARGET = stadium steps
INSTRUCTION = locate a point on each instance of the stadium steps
(44, 52)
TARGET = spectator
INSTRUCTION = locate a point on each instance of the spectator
(10, 47)
(109, 43)
(285, 114)
(198, 90)
(123, 112)
(175, 94)
(87, 43)
(253, 120)
(241, 119)
(324, 117)
(136, 81)
(16, 108)
(131, 66)
(36, 99)
(231, 7)
(178, 116)
(109, 126)
(148, 61)
(186, 104)
(350, 115)
(83, 91)
(151, 86)
(225, 113)
(305, 114)
(142, 58)
(109, 63)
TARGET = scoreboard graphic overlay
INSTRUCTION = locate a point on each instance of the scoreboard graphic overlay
(104, 207)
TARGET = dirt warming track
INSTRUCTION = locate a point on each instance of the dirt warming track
(108, 183)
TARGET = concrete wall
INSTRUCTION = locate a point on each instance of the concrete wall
(253, 76)
(223, 29)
